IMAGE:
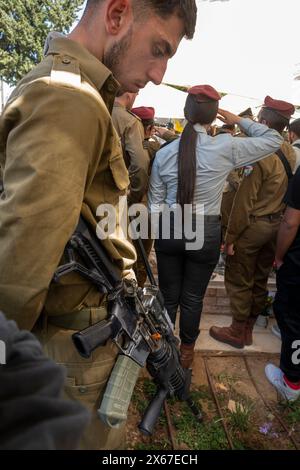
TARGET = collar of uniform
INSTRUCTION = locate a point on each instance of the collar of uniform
(93, 68)
(200, 129)
(296, 142)
(119, 105)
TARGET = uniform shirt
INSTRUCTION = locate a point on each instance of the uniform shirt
(261, 192)
(233, 181)
(297, 152)
(61, 156)
(33, 413)
(293, 201)
(216, 157)
(131, 131)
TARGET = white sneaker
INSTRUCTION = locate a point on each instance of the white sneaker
(275, 377)
(276, 331)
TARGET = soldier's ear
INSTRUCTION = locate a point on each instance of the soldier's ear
(118, 16)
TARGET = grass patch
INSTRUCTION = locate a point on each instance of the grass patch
(162, 445)
(198, 436)
(292, 411)
(239, 419)
(227, 379)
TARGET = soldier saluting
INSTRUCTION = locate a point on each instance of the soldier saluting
(251, 234)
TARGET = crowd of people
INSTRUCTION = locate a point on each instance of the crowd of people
(71, 140)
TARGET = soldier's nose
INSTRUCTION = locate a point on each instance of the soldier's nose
(156, 74)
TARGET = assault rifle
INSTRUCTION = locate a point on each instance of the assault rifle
(138, 324)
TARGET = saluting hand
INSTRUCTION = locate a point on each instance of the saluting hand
(228, 118)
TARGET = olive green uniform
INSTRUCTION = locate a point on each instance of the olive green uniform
(61, 156)
(232, 185)
(131, 131)
(252, 228)
(152, 146)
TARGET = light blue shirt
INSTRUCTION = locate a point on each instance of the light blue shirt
(216, 158)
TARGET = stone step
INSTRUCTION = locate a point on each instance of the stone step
(264, 341)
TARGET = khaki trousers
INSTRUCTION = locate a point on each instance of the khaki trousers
(247, 272)
(86, 381)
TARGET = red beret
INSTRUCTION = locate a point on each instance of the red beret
(282, 107)
(144, 113)
(204, 93)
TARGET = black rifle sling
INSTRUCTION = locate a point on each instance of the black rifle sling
(285, 163)
(146, 262)
(143, 255)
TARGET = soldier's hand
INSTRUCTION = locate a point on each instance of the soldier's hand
(229, 249)
(228, 118)
(160, 131)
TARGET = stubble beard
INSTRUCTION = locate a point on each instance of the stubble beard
(114, 57)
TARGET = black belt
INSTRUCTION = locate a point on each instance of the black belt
(269, 217)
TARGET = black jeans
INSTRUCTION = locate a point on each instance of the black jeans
(184, 275)
(287, 311)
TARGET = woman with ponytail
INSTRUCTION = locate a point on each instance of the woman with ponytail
(186, 184)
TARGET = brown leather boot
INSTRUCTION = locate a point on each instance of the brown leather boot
(248, 330)
(233, 335)
(187, 354)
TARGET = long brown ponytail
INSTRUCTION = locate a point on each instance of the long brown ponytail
(195, 112)
(187, 165)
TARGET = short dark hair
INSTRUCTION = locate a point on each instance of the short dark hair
(275, 120)
(185, 9)
(295, 127)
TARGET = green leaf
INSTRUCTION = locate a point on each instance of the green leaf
(24, 26)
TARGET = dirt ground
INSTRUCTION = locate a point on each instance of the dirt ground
(254, 417)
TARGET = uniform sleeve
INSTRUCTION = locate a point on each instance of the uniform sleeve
(261, 142)
(169, 136)
(157, 189)
(47, 160)
(139, 162)
(34, 414)
(152, 146)
(243, 204)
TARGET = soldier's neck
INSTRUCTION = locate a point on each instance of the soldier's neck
(83, 37)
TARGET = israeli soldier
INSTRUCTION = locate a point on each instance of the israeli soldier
(232, 183)
(151, 132)
(62, 157)
(131, 131)
(146, 115)
(251, 234)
